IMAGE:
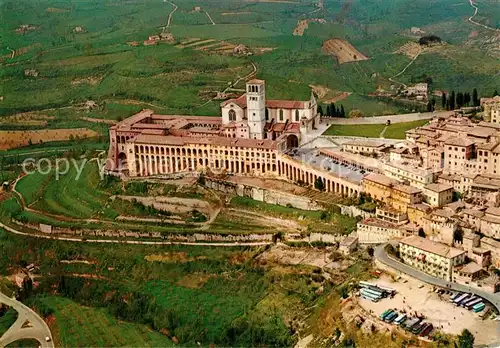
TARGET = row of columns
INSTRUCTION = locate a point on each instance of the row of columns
(295, 174)
(153, 165)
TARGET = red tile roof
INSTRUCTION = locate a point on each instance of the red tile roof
(285, 104)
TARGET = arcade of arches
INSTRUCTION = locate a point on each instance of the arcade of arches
(160, 159)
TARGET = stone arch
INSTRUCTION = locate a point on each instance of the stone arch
(292, 141)
(122, 161)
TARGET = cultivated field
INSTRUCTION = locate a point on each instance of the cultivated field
(343, 50)
(11, 139)
(67, 67)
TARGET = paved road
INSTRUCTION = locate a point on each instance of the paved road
(383, 119)
(382, 256)
(37, 330)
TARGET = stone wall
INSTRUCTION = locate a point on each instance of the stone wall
(263, 195)
(179, 237)
(354, 211)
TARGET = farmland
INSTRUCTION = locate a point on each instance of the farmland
(12, 139)
(58, 66)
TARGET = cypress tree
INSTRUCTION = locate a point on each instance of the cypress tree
(443, 100)
(475, 98)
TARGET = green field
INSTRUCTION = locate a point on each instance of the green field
(393, 131)
(78, 326)
(98, 64)
(6, 320)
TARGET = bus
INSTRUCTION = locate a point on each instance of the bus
(383, 315)
(427, 330)
(454, 296)
(469, 300)
(459, 299)
(400, 319)
(369, 296)
(410, 323)
(373, 292)
(479, 307)
(391, 317)
(471, 304)
(416, 329)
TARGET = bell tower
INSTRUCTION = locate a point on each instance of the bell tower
(256, 108)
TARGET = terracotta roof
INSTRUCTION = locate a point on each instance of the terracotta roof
(241, 101)
(381, 179)
(215, 141)
(285, 104)
(493, 211)
(407, 189)
(255, 81)
(432, 247)
(438, 187)
(459, 141)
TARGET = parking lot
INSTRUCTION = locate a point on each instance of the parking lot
(413, 295)
(315, 159)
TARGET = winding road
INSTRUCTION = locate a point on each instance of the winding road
(37, 328)
(476, 9)
(381, 255)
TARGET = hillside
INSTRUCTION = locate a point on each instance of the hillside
(57, 54)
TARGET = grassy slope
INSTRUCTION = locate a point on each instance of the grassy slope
(7, 320)
(79, 326)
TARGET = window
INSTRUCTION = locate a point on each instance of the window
(281, 115)
(297, 118)
(232, 115)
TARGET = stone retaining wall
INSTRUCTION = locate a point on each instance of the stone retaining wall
(262, 194)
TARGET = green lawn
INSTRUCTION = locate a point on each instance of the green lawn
(79, 326)
(7, 320)
(394, 131)
(364, 130)
(397, 130)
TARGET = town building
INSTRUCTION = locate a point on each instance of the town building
(410, 174)
(433, 258)
(376, 231)
(365, 146)
(491, 108)
(437, 195)
(390, 192)
(348, 245)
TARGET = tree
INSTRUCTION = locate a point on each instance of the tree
(334, 110)
(495, 93)
(452, 100)
(443, 100)
(466, 339)
(433, 103)
(370, 251)
(421, 233)
(475, 98)
(318, 184)
(328, 111)
(320, 110)
(467, 98)
(429, 107)
(460, 99)
(342, 111)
